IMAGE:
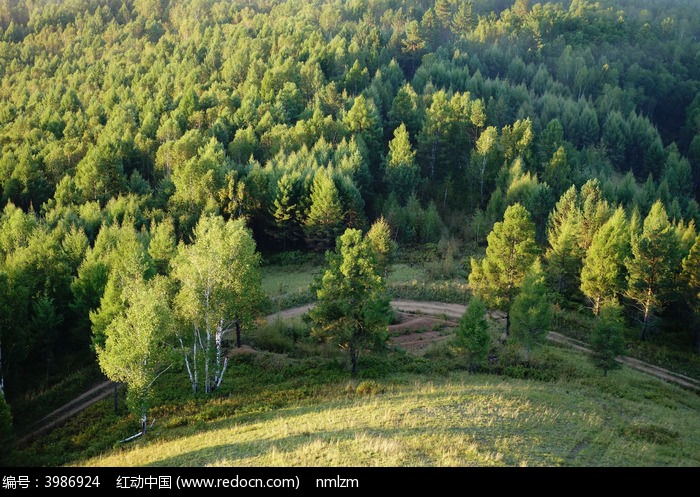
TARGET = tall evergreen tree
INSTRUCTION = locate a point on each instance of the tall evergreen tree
(324, 220)
(531, 311)
(352, 307)
(654, 261)
(285, 209)
(510, 252)
(379, 237)
(564, 254)
(603, 272)
(401, 170)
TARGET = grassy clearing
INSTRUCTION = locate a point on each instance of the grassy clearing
(288, 286)
(278, 410)
(460, 419)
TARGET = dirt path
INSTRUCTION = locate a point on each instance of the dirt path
(439, 309)
(72, 408)
(455, 311)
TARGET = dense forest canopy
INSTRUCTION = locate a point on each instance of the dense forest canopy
(123, 123)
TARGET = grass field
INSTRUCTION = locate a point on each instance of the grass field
(579, 418)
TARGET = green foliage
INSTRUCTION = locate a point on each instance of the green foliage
(220, 291)
(654, 262)
(368, 387)
(154, 111)
(162, 245)
(401, 169)
(607, 341)
(324, 220)
(603, 272)
(7, 433)
(531, 312)
(472, 334)
(137, 344)
(384, 247)
(510, 253)
(352, 308)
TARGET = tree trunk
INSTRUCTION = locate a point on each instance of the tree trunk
(207, 358)
(508, 323)
(353, 358)
(218, 338)
(647, 312)
(481, 181)
(238, 334)
(645, 324)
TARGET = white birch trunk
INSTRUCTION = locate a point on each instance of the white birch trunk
(190, 373)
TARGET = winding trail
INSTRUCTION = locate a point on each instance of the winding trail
(439, 309)
(455, 311)
(58, 416)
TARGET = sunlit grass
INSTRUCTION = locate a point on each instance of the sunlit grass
(624, 419)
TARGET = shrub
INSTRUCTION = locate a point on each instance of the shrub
(368, 387)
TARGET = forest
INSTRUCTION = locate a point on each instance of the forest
(155, 154)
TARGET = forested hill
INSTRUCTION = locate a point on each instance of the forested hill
(123, 122)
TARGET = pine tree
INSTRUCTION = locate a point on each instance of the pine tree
(654, 261)
(510, 253)
(401, 170)
(531, 311)
(352, 307)
(463, 18)
(472, 334)
(285, 209)
(607, 341)
(603, 272)
(564, 254)
(557, 171)
(324, 220)
(595, 210)
(379, 236)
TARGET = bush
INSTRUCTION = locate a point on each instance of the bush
(369, 387)
(274, 338)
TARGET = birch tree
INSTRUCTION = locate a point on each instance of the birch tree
(138, 342)
(220, 291)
